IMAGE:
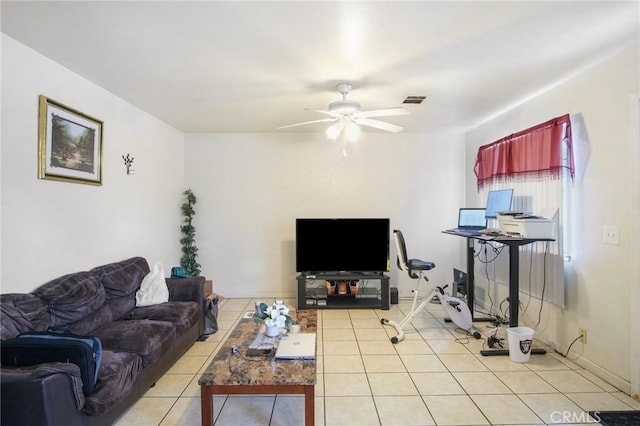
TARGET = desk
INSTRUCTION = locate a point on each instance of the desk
(513, 243)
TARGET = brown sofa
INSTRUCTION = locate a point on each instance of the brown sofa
(139, 344)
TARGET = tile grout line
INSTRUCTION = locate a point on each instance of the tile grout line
(397, 353)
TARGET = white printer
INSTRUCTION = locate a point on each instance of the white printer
(526, 225)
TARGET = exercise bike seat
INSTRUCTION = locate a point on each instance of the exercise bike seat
(420, 265)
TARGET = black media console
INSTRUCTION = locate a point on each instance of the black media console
(328, 290)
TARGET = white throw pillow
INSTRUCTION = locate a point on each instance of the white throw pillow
(153, 289)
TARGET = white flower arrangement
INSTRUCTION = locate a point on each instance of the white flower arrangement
(277, 314)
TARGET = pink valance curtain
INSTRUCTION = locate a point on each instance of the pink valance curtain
(533, 153)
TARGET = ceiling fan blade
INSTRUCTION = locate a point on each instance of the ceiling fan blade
(329, 113)
(387, 112)
(379, 124)
(324, 120)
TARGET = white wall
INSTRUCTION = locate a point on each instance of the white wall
(52, 228)
(599, 290)
(251, 188)
(1, 84)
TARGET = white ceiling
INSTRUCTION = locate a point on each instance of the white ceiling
(222, 66)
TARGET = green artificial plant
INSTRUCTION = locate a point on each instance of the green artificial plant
(189, 250)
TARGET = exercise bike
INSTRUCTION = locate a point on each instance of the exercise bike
(456, 308)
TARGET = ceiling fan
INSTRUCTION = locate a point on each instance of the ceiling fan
(348, 116)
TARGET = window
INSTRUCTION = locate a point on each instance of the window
(538, 164)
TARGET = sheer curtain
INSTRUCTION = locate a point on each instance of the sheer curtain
(541, 263)
(538, 164)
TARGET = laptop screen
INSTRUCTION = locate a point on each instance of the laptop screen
(472, 217)
(497, 201)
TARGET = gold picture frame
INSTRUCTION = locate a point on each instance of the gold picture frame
(69, 144)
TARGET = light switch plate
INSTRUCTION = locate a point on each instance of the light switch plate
(611, 234)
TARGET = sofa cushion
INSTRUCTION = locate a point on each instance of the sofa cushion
(121, 280)
(121, 306)
(116, 377)
(71, 297)
(149, 339)
(183, 315)
(100, 316)
(20, 313)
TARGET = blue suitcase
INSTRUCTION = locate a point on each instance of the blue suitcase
(40, 347)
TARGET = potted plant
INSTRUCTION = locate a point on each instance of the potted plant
(189, 250)
(274, 317)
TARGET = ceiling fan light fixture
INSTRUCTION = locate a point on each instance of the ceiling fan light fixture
(334, 130)
(352, 131)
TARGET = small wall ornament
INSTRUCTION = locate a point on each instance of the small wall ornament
(128, 162)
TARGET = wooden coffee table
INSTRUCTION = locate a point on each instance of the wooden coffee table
(236, 373)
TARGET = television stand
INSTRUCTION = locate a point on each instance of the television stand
(339, 290)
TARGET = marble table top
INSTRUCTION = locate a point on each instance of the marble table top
(228, 368)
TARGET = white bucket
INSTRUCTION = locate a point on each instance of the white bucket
(520, 341)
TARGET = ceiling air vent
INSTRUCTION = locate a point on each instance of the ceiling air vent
(414, 100)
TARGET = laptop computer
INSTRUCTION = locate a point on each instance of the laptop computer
(470, 221)
(297, 346)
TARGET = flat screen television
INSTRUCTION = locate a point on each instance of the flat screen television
(342, 245)
(498, 201)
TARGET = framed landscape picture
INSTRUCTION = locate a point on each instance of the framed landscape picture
(69, 144)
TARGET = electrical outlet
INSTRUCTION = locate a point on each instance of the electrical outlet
(611, 234)
(583, 335)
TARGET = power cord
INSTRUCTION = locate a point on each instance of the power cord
(544, 282)
(464, 340)
(486, 270)
(530, 249)
(502, 311)
(493, 340)
(483, 313)
(496, 251)
(564, 355)
(237, 354)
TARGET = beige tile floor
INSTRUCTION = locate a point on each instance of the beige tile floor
(436, 376)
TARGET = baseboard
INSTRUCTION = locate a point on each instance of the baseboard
(606, 375)
(613, 379)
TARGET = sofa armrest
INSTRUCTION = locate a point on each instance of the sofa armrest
(189, 289)
(43, 394)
